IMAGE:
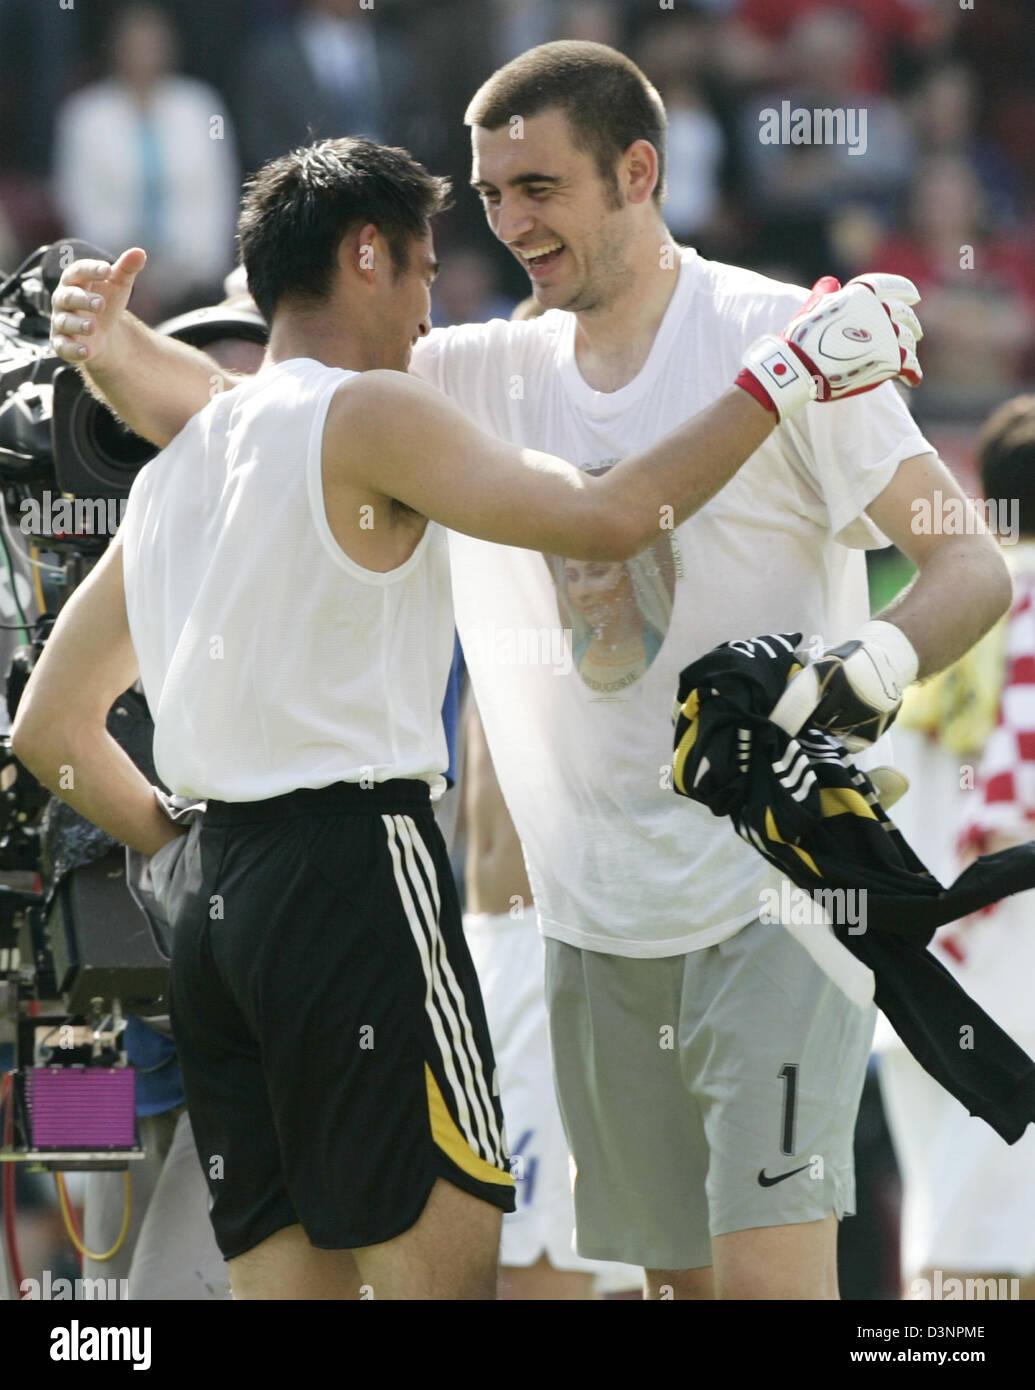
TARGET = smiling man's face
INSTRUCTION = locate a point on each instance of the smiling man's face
(548, 203)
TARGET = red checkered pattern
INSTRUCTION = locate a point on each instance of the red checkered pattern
(1003, 799)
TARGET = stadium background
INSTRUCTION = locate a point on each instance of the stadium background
(943, 193)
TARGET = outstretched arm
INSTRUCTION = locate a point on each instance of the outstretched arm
(152, 383)
(395, 435)
(398, 437)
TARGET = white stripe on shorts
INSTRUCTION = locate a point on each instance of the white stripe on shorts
(470, 1094)
(466, 1046)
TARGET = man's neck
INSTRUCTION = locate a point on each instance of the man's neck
(613, 343)
(320, 337)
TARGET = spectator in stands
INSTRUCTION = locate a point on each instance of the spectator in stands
(147, 157)
(978, 287)
(798, 187)
(1000, 46)
(41, 47)
(329, 72)
(676, 53)
(892, 30)
(521, 24)
(944, 113)
(595, 21)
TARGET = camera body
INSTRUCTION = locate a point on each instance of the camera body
(56, 436)
(77, 956)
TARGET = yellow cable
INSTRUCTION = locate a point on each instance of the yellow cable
(66, 1214)
(37, 580)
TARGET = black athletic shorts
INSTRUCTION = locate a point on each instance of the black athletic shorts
(330, 1028)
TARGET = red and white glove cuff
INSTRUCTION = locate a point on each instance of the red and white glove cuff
(776, 376)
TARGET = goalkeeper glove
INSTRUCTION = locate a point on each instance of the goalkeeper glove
(840, 343)
(854, 690)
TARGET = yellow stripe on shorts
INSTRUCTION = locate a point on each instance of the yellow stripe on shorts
(452, 1142)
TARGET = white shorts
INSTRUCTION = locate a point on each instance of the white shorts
(509, 958)
(968, 1198)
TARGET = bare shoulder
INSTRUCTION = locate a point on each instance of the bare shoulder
(382, 413)
(379, 393)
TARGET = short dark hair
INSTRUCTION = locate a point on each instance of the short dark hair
(608, 101)
(297, 208)
(1006, 457)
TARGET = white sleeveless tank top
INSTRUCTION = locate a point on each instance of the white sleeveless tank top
(270, 660)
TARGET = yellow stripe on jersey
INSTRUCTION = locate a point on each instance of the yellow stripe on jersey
(453, 1144)
(774, 834)
(690, 710)
(842, 801)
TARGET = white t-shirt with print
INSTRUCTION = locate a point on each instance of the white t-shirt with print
(575, 667)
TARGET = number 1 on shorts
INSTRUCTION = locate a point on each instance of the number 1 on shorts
(789, 1076)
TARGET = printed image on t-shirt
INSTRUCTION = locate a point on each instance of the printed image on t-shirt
(617, 611)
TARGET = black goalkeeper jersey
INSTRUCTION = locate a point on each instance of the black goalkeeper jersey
(804, 805)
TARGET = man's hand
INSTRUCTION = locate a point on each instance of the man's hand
(840, 343)
(853, 690)
(88, 306)
(153, 383)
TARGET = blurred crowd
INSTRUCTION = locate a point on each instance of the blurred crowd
(134, 122)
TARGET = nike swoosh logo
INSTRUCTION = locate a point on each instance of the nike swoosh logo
(763, 1181)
